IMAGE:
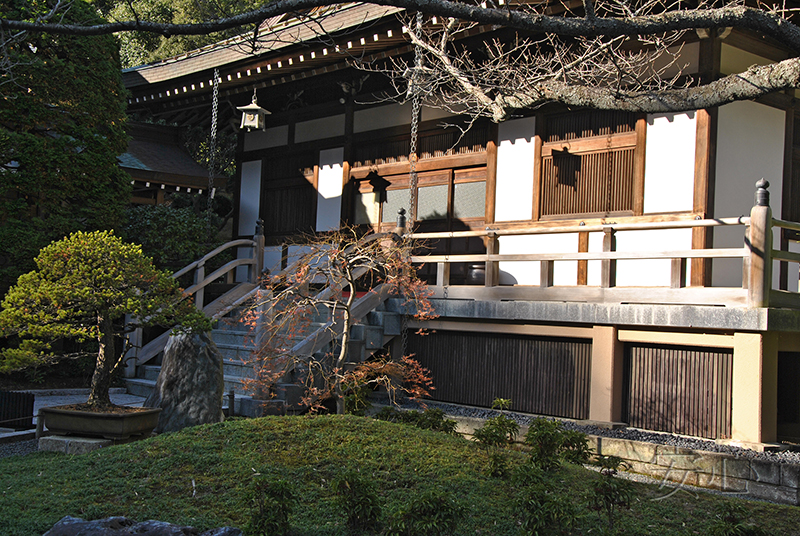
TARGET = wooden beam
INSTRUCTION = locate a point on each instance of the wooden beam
(730, 297)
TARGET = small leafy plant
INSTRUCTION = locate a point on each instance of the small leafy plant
(359, 502)
(609, 494)
(499, 430)
(544, 511)
(273, 503)
(732, 521)
(430, 419)
(551, 444)
(432, 513)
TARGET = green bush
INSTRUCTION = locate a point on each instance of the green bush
(273, 503)
(551, 444)
(499, 430)
(609, 494)
(543, 511)
(430, 419)
(432, 512)
(357, 498)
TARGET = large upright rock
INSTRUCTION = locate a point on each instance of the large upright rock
(190, 385)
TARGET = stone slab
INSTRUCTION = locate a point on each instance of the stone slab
(72, 445)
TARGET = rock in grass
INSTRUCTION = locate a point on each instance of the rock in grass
(121, 526)
(190, 385)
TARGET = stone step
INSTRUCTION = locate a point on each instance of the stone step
(391, 322)
(233, 336)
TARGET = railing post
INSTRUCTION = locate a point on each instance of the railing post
(199, 275)
(442, 274)
(608, 267)
(400, 228)
(492, 267)
(678, 273)
(258, 252)
(546, 274)
(759, 242)
(134, 343)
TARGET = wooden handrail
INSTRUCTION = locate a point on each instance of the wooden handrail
(794, 226)
(722, 253)
(219, 272)
(682, 224)
(242, 242)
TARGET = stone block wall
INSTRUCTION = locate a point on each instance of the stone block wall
(772, 481)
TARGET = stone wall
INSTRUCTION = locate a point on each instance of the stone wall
(778, 482)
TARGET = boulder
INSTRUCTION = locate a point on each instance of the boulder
(120, 526)
(190, 385)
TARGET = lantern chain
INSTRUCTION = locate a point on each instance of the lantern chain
(212, 145)
(412, 159)
(415, 113)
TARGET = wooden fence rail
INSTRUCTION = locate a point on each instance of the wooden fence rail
(757, 255)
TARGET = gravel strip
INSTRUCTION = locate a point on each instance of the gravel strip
(785, 456)
(18, 448)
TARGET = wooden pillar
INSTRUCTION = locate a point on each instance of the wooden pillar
(605, 393)
(703, 204)
(754, 416)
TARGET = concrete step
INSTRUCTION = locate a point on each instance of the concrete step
(391, 322)
(233, 336)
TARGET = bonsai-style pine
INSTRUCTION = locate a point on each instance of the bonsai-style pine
(83, 288)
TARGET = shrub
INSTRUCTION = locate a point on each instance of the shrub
(359, 501)
(430, 419)
(432, 512)
(273, 503)
(609, 493)
(542, 511)
(551, 444)
(499, 430)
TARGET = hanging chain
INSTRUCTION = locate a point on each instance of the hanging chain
(415, 113)
(610, 179)
(412, 160)
(212, 145)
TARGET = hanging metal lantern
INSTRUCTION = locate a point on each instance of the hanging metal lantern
(253, 115)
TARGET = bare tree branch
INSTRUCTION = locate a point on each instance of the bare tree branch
(765, 22)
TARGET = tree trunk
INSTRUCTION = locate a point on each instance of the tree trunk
(106, 357)
(337, 389)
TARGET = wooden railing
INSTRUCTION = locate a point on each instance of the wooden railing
(143, 351)
(757, 255)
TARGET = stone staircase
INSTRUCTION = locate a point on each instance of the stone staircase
(235, 342)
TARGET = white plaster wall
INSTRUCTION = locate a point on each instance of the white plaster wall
(669, 162)
(515, 152)
(250, 197)
(749, 146)
(647, 272)
(793, 268)
(528, 273)
(319, 129)
(377, 117)
(428, 114)
(735, 60)
(264, 139)
(240, 276)
(329, 189)
(272, 259)
(687, 61)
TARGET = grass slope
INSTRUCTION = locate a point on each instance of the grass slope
(203, 477)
